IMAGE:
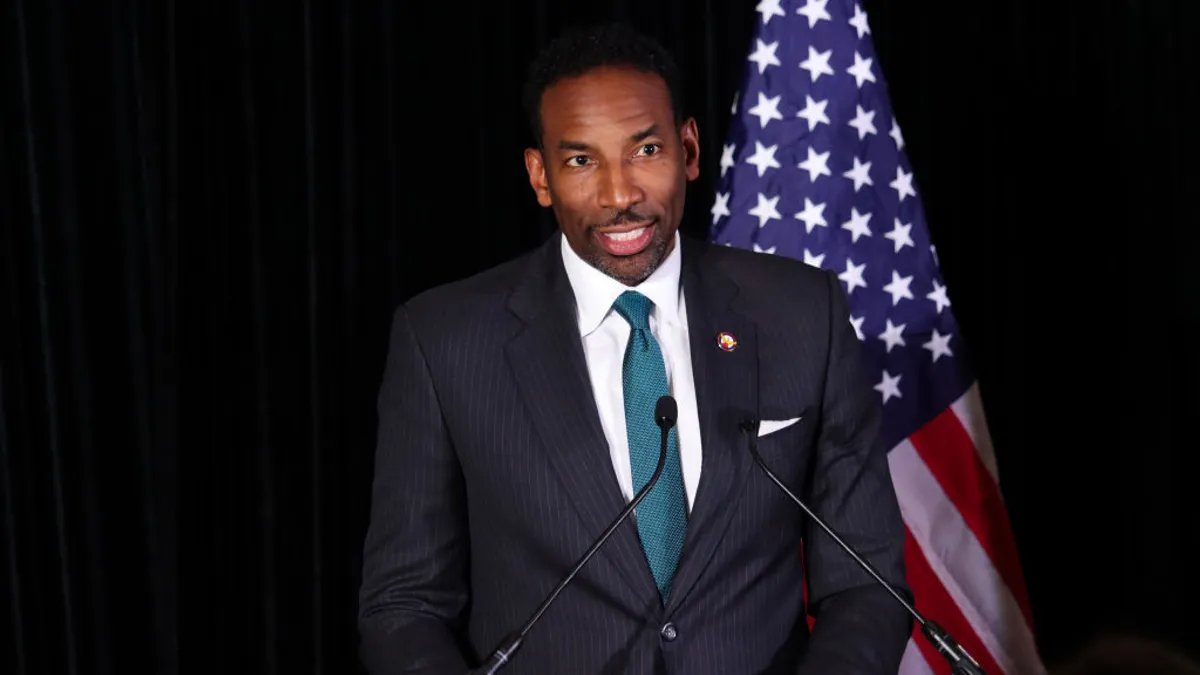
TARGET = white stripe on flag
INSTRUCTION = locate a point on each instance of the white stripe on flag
(969, 410)
(914, 662)
(961, 564)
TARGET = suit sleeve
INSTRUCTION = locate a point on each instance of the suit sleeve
(414, 584)
(859, 627)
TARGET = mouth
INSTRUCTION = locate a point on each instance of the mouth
(626, 240)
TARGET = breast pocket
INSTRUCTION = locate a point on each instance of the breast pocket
(786, 450)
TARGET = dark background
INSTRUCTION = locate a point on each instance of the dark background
(209, 210)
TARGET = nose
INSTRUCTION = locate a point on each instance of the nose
(620, 189)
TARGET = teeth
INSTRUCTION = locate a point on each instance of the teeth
(625, 236)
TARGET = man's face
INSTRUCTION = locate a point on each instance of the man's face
(614, 168)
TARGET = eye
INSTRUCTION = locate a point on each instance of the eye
(650, 149)
(578, 161)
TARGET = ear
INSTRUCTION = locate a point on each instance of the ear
(536, 169)
(690, 139)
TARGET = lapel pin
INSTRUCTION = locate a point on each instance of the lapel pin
(726, 341)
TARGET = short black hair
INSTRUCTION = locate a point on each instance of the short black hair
(584, 48)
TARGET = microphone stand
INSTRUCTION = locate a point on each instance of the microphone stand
(956, 656)
(505, 651)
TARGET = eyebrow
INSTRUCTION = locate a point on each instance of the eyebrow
(573, 145)
(642, 135)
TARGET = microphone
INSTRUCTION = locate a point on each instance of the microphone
(666, 411)
(956, 656)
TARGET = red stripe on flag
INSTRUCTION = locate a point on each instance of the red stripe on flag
(946, 448)
(804, 588)
(935, 604)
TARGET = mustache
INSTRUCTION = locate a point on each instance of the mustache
(624, 217)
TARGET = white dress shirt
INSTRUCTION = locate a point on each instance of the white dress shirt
(605, 334)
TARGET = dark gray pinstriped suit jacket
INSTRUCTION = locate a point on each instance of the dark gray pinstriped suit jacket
(492, 476)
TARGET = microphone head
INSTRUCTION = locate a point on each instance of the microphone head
(665, 412)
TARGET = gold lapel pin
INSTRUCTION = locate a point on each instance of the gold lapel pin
(727, 341)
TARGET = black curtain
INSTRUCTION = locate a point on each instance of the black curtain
(209, 210)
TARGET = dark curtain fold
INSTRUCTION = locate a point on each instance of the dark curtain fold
(208, 211)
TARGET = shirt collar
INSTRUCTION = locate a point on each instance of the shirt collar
(595, 291)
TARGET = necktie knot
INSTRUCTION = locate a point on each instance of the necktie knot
(635, 308)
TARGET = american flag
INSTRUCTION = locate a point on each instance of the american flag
(814, 167)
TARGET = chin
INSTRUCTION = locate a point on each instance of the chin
(634, 269)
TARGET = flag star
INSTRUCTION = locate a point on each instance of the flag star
(857, 225)
(815, 11)
(733, 108)
(857, 322)
(764, 55)
(768, 9)
(853, 276)
(896, 135)
(814, 260)
(814, 112)
(859, 21)
(899, 288)
(861, 70)
(765, 209)
(727, 158)
(767, 109)
(759, 249)
(893, 335)
(720, 207)
(816, 165)
(938, 295)
(863, 121)
(903, 184)
(933, 252)
(763, 158)
(889, 386)
(812, 215)
(900, 235)
(817, 63)
(938, 345)
(860, 174)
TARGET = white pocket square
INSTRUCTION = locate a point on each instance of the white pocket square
(771, 426)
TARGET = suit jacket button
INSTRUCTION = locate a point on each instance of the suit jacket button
(669, 632)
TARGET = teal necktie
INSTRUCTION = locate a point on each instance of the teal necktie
(662, 515)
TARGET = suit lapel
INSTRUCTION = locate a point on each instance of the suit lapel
(548, 364)
(726, 392)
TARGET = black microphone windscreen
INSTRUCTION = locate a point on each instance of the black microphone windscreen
(666, 411)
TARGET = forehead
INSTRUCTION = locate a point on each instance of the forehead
(605, 98)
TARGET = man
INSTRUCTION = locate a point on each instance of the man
(517, 419)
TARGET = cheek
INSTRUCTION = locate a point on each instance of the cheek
(582, 194)
(567, 194)
(663, 185)
(573, 215)
(573, 190)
